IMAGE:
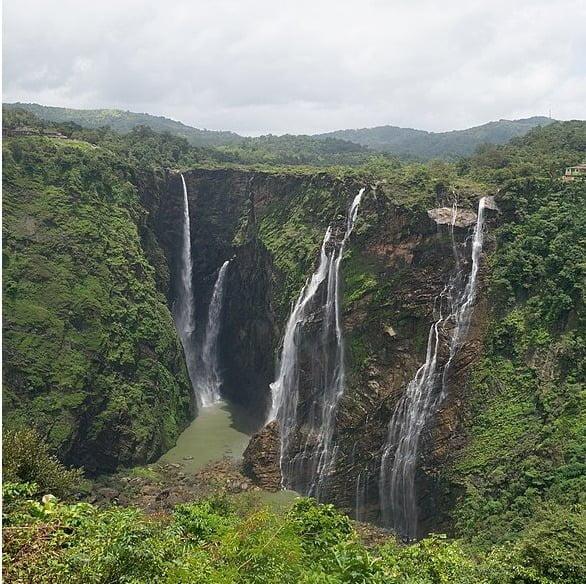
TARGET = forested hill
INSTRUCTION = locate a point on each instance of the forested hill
(124, 121)
(426, 145)
(338, 147)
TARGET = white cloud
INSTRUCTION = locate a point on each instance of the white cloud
(305, 66)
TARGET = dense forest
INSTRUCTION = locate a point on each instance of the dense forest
(339, 147)
(96, 386)
(444, 145)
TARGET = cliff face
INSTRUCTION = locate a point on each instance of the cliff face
(246, 218)
(134, 398)
(91, 357)
(397, 262)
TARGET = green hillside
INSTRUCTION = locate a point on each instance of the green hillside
(124, 122)
(425, 145)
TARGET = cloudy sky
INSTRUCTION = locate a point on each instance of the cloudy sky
(257, 66)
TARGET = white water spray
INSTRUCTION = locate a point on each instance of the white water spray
(308, 469)
(424, 394)
(208, 379)
(183, 309)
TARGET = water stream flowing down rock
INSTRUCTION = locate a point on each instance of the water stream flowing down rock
(183, 309)
(208, 381)
(306, 467)
(426, 391)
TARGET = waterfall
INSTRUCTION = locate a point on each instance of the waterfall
(334, 376)
(361, 498)
(307, 470)
(425, 392)
(208, 380)
(183, 309)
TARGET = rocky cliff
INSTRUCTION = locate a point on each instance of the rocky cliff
(270, 226)
(91, 358)
(397, 263)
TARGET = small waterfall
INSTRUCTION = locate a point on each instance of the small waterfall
(308, 469)
(425, 392)
(208, 380)
(361, 498)
(183, 309)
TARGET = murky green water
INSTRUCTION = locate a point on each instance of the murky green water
(220, 430)
(215, 433)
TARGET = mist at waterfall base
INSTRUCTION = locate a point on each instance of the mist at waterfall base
(306, 467)
(426, 391)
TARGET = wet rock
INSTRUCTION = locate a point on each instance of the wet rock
(261, 458)
(445, 216)
(149, 490)
(390, 330)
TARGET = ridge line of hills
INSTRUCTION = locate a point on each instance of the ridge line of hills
(395, 140)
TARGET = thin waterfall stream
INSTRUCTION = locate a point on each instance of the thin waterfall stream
(307, 470)
(183, 308)
(425, 392)
(208, 380)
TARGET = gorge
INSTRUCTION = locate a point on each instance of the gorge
(306, 423)
(403, 342)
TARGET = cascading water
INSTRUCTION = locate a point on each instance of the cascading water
(334, 371)
(208, 381)
(361, 497)
(307, 470)
(183, 309)
(425, 392)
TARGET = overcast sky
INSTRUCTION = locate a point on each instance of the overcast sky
(258, 66)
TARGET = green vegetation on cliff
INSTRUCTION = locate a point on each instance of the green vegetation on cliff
(527, 432)
(526, 428)
(91, 357)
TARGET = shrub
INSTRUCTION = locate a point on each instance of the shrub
(205, 520)
(430, 561)
(26, 459)
(319, 526)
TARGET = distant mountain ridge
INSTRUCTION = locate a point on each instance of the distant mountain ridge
(403, 142)
(423, 144)
(124, 121)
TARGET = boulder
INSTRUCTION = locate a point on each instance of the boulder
(261, 458)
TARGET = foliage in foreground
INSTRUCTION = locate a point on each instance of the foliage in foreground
(27, 459)
(222, 541)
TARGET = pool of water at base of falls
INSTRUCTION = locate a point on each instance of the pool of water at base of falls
(212, 435)
(218, 431)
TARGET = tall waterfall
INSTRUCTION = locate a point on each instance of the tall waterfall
(308, 469)
(183, 309)
(208, 381)
(425, 392)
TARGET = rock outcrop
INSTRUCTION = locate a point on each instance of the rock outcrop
(261, 458)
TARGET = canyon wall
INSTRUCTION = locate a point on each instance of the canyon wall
(397, 263)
